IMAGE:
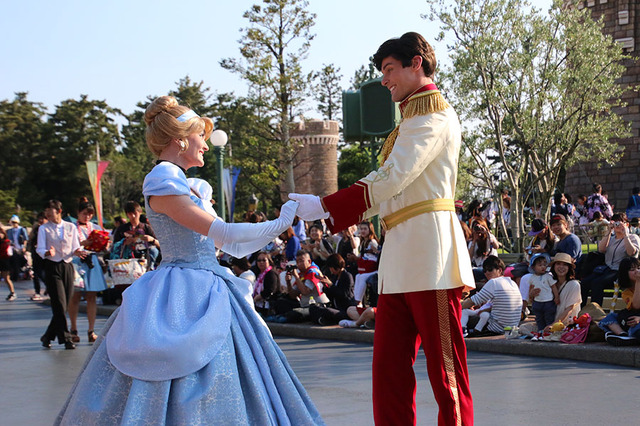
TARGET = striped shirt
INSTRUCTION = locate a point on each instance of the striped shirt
(507, 303)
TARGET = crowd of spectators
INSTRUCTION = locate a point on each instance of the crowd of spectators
(307, 274)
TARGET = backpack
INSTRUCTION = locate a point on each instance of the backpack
(5, 249)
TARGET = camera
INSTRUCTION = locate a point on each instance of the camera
(291, 268)
(616, 224)
(88, 261)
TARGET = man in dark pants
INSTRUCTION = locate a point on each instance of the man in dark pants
(57, 244)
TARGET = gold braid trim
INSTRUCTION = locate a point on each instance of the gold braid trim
(420, 104)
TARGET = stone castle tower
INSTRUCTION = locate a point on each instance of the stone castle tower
(622, 22)
(316, 161)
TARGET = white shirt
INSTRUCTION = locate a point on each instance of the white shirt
(63, 237)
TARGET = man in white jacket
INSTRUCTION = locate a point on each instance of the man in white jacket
(413, 191)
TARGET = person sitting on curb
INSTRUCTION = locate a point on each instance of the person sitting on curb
(339, 289)
(304, 286)
(623, 328)
(504, 295)
(360, 317)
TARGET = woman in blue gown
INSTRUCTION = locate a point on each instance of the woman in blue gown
(186, 346)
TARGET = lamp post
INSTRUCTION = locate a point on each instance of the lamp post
(219, 139)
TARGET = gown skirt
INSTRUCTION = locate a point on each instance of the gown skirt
(247, 382)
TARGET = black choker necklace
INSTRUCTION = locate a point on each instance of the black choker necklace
(160, 161)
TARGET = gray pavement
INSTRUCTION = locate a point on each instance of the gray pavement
(507, 389)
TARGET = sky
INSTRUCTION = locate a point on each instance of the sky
(123, 51)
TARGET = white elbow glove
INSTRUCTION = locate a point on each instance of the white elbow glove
(241, 239)
(310, 206)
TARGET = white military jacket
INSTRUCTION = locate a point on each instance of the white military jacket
(427, 251)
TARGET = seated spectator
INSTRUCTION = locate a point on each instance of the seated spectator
(242, 268)
(303, 285)
(563, 271)
(482, 313)
(360, 317)
(300, 228)
(291, 245)
(519, 274)
(459, 206)
(483, 244)
(616, 245)
(136, 236)
(347, 244)
(623, 328)
(502, 293)
(339, 290)
(581, 214)
(633, 205)
(599, 227)
(567, 242)
(543, 239)
(319, 247)
(367, 260)
(266, 287)
(474, 212)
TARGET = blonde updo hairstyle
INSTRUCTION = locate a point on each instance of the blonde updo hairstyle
(161, 117)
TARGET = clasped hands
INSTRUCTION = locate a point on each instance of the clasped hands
(310, 207)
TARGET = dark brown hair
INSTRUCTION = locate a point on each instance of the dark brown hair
(404, 49)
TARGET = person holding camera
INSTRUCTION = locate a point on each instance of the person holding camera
(304, 286)
(617, 244)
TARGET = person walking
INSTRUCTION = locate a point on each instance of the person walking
(57, 244)
(425, 265)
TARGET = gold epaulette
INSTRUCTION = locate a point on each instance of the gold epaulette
(419, 104)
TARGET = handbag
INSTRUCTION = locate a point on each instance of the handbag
(577, 332)
(126, 271)
(365, 266)
(624, 315)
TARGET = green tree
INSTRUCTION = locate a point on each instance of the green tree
(353, 164)
(537, 91)
(272, 48)
(24, 148)
(328, 92)
(253, 148)
(75, 130)
(364, 73)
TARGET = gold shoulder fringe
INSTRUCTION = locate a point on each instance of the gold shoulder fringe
(421, 104)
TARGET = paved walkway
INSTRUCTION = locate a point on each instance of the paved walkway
(508, 390)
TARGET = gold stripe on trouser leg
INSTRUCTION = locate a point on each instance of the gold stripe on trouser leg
(447, 348)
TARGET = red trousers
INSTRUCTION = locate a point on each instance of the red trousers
(403, 321)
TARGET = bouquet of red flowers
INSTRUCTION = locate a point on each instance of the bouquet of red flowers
(98, 240)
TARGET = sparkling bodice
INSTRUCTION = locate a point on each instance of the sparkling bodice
(182, 246)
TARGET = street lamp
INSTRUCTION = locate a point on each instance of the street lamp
(219, 139)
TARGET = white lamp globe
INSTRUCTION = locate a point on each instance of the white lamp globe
(219, 138)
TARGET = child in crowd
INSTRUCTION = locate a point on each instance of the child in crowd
(545, 302)
(623, 328)
(502, 293)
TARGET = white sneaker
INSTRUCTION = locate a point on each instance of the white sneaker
(347, 324)
(11, 297)
(36, 296)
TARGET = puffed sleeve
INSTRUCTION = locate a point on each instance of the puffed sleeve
(165, 179)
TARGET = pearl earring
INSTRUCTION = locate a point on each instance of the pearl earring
(183, 146)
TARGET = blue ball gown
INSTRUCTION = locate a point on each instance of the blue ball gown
(186, 346)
